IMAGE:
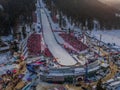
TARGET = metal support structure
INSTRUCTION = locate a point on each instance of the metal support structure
(86, 72)
(99, 43)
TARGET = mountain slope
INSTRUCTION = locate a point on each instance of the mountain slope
(89, 9)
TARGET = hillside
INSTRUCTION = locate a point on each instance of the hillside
(83, 10)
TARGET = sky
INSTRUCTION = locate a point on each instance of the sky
(112, 1)
(115, 3)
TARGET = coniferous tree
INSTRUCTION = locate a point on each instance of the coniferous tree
(82, 10)
(13, 10)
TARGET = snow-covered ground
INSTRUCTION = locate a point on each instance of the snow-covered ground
(4, 58)
(58, 52)
(7, 38)
(6, 63)
(111, 36)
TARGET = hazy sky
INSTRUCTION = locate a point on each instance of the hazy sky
(115, 3)
(111, 1)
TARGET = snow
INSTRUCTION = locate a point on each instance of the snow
(115, 83)
(27, 75)
(4, 69)
(4, 48)
(43, 46)
(5, 58)
(68, 26)
(81, 61)
(93, 69)
(108, 36)
(60, 74)
(58, 52)
(55, 26)
(111, 80)
(79, 70)
(59, 39)
(7, 38)
(104, 65)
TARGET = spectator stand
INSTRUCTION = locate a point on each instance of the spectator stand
(74, 42)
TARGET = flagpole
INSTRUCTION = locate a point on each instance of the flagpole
(99, 43)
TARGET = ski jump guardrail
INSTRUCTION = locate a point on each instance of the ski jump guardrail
(71, 71)
(23, 46)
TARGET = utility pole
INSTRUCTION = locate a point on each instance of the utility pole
(109, 56)
(99, 43)
(74, 80)
(86, 72)
(86, 69)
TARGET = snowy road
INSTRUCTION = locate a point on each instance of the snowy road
(58, 52)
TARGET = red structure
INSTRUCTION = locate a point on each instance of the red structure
(47, 53)
(34, 44)
(73, 41)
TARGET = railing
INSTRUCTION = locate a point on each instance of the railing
(4, 48)
(23, 46)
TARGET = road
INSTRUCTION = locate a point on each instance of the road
(58, 52)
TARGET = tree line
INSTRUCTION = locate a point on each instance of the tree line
(88, 10)
(14, 12)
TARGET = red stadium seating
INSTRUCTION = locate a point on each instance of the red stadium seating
(34, 44)
(47, 53)
(73, 41)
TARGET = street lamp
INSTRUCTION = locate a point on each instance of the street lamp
(99, 42)
(86, 72)
(86, 69)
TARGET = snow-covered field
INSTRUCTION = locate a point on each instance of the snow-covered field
(58, 52)
(7, 38)
(3, 58)
(108, 36)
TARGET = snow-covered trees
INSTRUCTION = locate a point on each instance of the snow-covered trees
(82, 10)
(15, 11)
